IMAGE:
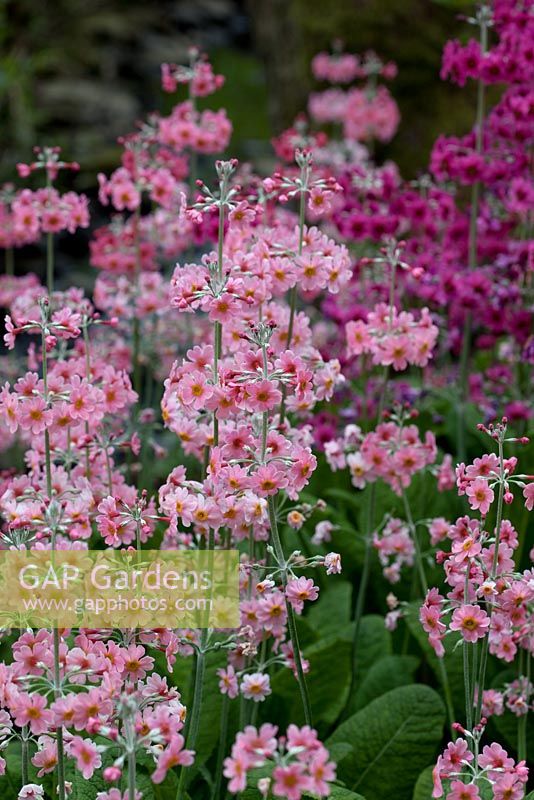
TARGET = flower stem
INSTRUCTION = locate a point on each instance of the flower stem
(131, 774)
(55, 631)
(196, 705)
(424, 585)
(25, 756)
(473, 255)
(223, 736)
(50, 263)
(495, 563)
(293, 292)
(291, 623)
(136, 322)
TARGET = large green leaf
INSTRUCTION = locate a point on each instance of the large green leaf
(385, 674)
(334, 605)
(393, 739)
(423, 787)
(330, 666)
(450, 665)
(374, 643)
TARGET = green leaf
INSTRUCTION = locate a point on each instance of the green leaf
(374, 643)
(330, 666)
(393, 739)
(208, 734)
(341, 793)
(423, 787)
(452, 660)
(387, 673)
(334, 604)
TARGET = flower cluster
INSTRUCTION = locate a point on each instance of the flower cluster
(300, 763)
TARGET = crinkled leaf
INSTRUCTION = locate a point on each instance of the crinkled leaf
(423, 787)
(393, 739)
(333, 606)
(387, 673)
(330, 666)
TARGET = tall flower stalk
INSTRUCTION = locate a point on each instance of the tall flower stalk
(483, 19)
(61, 787)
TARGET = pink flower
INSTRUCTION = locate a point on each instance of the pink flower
(34, 415)
(332, 562)
(480, 495)
(173, 755)
(472, 621)
(528, 494)
(242, 215)
(136, 663)
(235, 769)
(291, 781)
(195, 391)
(256, 686)
(263, 396)
(508, 787)
(495, 758)
(86, 755)
(463, 791)
(299, 590)
(268, 480)
(45, 759)
(31, 791)
(228, 681)
(31, 710)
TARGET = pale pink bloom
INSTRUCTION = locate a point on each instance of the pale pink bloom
(298, 590)
(45, 759)
(332, 562)
(465, 549)
(483, 467)
(173, 755)
(268, 480)
(358, 338)
(508, 787)
(472, 621)
(291, 781)
(31, 791)
(31, 710)
(480, 495)
(86, 755)
(34, 415)
(528, 494)
(235, 768)
(195, 390)
(256, 686)
(136, 663)
(463, 791)
(242, 215)
(262, 396)
(438, 529)
(492, 703)
(495, 757)
(228, 681)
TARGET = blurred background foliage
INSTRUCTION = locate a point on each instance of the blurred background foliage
(79, 73)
